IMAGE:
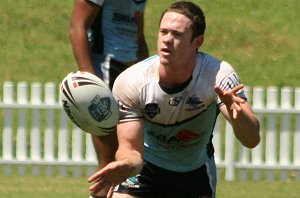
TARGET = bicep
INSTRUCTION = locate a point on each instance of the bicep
(84, 13)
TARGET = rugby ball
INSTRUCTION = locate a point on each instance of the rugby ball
(89, 103)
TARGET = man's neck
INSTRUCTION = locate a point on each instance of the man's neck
(174, 76)
(177, 88)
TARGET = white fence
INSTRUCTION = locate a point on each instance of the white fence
(37, 135)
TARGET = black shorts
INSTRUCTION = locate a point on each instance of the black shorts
(111, 69)
(156, 182)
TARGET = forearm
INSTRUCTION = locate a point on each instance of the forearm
(132, 159)
(143, 51)
(105, 147)
(131, 146)
(81, 49)
(82, 18)
(246, 126)
(246, 129)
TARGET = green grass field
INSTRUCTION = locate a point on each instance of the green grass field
(67, 187)
(259, 38)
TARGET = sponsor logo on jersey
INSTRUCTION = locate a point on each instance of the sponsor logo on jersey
(100, 108)
(186, 135)
(152, 109)
(173, 141)
(163, 139)
(175, 101)
(126, 19)
(195, 103)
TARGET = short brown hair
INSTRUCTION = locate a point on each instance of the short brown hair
(193, 12)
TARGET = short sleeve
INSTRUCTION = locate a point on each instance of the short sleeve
(126, 91)
(227, 79)
(98, 2)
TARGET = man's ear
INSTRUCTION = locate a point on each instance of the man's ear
(198, 41)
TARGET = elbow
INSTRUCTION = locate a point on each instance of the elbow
(75, 29)
(72, 31)
(254, 138)
(253, 143)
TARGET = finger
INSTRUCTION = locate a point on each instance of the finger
(97, 186)
(239, 100)
(237, 107)
(237, 88)
(94, 186)
(110, 192)
(233, 90)
(234, 114)
(218, 90)
(96, 176)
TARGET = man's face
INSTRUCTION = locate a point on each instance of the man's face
(174, 42)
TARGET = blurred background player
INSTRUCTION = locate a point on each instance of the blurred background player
(107, 36)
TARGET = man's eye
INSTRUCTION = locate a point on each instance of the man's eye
(163, 32)
(177, 34)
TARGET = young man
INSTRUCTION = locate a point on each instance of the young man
(169, 104)
(107, 36)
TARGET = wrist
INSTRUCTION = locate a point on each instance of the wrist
(96, 196)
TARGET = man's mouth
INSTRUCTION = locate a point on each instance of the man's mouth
(165, 50)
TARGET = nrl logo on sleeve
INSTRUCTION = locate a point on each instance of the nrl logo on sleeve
(100, 108)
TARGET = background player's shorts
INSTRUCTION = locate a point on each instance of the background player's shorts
(108, 70)
(97, 59)
(156, 182)
(111, 68)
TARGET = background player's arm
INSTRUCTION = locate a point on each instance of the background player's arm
(83, 16)
(143, 51)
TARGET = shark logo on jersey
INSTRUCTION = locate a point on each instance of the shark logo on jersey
(175, 101)
(152, 109)
(194, 103)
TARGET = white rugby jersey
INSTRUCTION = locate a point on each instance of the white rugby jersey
(120, 28)
(178, 126)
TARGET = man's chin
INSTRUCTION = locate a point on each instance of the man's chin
(164, 61)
